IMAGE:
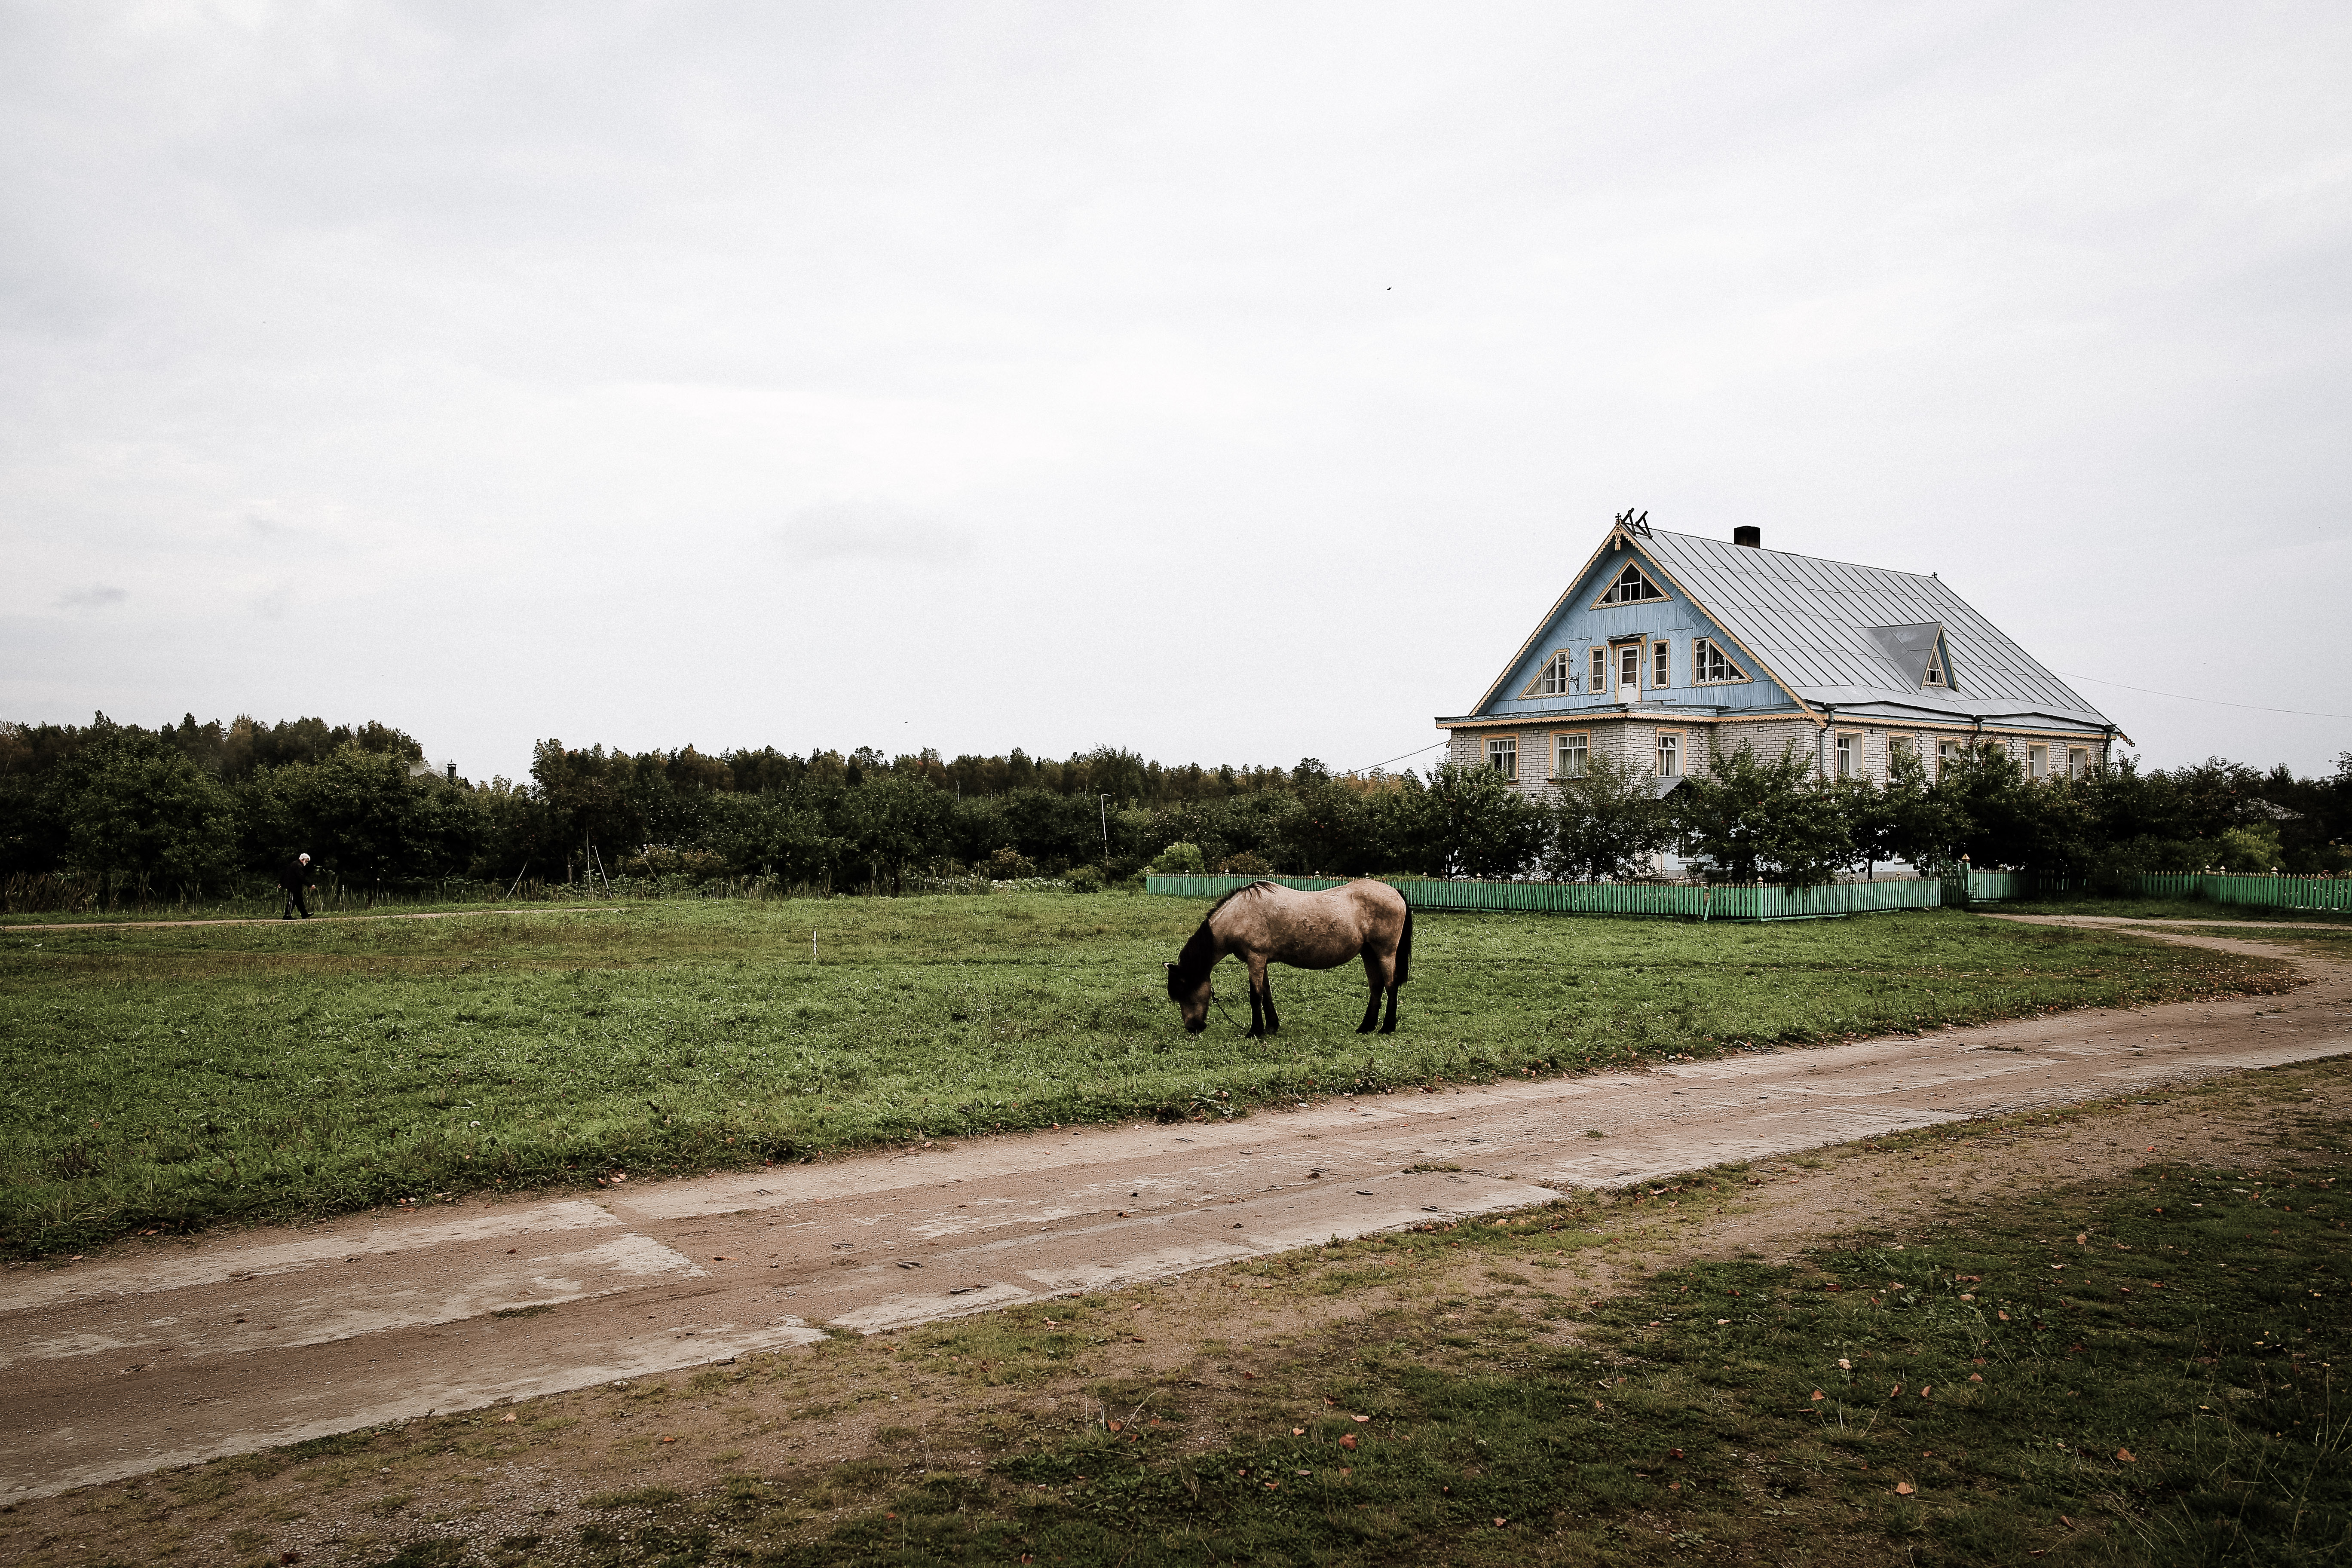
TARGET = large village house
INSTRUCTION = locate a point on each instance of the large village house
(1668, 648)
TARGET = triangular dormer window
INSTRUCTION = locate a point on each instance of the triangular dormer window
(1556, 679)
(1632, 586)
(1710, 665)
(1918, 653)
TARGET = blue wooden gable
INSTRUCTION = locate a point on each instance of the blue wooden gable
(1724, 630)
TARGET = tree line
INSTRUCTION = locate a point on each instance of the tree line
(192, 809)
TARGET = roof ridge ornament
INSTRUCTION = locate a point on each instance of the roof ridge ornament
(1639, 526)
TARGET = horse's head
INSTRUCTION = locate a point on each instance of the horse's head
(1192, 998)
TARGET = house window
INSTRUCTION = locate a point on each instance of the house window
(2078, 761)
(1709, 664)
(1947, 753)
(1599, 675)
(1661, 663)
(1559, 676)
(1845, 756)
(1670, 756)
(1503, 756)
(2037, 762)
(1904, 743)
(1572, 756)
(1935, 676)
(1631, 587)
(1629, 664)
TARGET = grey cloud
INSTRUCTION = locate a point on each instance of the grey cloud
(97, 597)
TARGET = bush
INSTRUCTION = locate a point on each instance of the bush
(1084, 879)
(1180, 860)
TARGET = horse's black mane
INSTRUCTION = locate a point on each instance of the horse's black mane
(1200, 954)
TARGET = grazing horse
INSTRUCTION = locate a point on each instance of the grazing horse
(1266, 922)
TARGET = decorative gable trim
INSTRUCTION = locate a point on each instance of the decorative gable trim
(1746, 652)
(1543, 626)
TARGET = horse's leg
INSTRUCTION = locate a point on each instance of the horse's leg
(1261, 1004)
(1265, 987)
(1373, 978)
(1388, 1028)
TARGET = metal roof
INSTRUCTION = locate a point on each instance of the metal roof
(1848, 635)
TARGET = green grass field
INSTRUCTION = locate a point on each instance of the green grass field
(164, 1079)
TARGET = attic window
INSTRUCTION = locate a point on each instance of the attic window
(1708, 663)
(1631, 587)
(1557, 677)
(1936, 675)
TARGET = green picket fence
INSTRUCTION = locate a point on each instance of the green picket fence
(2264, 892)
(1670, 900)
(2320, 893)
(1992, 887)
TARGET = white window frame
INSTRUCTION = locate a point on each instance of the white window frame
(1597, 671)
(1503, 756)
(2037, 762)
(1571, 754)
(1707, 657)
(1670, 754)
(1842, 754)
(1612, 594)
(1558, 676)
(1662, 665)
(1936, 673)
(2078, 761)
(1947, 753)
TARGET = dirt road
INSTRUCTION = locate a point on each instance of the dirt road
(164, 1353)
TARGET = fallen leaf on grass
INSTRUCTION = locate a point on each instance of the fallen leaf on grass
(1298, 1431)
(2126, 1456)
(1359, 1418)
(1902, 1488)
(1348, 1442)
(1819, 1394)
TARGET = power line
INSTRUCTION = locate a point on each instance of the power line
(1400, 757)
(2208, 701)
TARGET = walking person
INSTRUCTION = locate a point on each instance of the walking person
(292, 877)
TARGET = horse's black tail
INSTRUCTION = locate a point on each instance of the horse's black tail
(1404, 949)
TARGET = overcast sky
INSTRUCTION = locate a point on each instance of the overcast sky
(1223, 382)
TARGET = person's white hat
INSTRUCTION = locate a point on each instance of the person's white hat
(304, 858)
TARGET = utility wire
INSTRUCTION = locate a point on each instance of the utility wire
(2210, 701)
(1400, 757)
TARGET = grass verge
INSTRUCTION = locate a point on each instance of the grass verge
(166, 1079)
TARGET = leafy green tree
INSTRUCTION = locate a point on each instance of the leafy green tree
(1910, 819)
(777, 832)
(358, 814)
(1605, 824)
(891, 823)
(1765, 822)
(131, 806)
(1470, 823)
(1181, 859)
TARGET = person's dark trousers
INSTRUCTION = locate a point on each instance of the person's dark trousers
(294, 902)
